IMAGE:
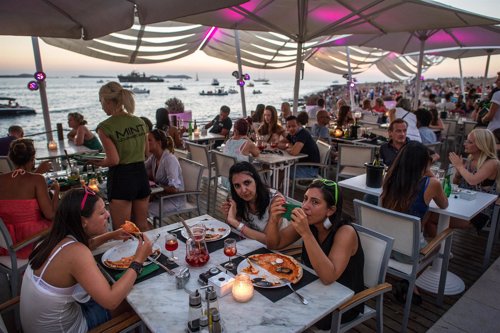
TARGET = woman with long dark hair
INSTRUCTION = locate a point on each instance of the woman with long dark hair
(250, 201)
(163, 123)
(63, 290)
(331, 246)
(269, 127)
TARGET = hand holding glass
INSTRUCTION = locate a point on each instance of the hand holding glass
(230, 250)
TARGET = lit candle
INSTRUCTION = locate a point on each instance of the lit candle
(197, 132)
(93, 185)
(52, 145)
(339, 133)
(242, 288)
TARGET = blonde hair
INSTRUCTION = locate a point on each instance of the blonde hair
(113, 91)
(485, 142)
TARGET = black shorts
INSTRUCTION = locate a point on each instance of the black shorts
(128, 182)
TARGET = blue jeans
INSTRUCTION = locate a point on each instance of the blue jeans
(94, 314)
(305, 172)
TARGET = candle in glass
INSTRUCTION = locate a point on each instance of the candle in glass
(52, 145)
(242, 288)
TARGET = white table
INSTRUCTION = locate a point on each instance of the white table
(43, 152)
(210, 137)
(163, 308)
(279, 162)
(459, 208)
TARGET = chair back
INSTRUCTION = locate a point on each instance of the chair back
(191, 173)
(222, 163)
(5, 238)
(468, 127)
(199, 153)
(325, 150)
(450, 127)
(181, 153)
(6, 164)
(352, 155)
(377, 249)
(405, 229)
(436, 146)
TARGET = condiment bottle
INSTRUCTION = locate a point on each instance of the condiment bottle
(216, 325)
(204, 324)
(194, 312)
(212, 305)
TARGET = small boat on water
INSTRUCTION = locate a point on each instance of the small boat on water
(250, 84)
(261, 79)
(177, 87)
(216, 92)
(128, 86)
(256, 92)
(232, 90)
(136, 90)
(137, 77)
(9, 107)
(215, 82)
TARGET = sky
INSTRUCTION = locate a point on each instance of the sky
(17, 57)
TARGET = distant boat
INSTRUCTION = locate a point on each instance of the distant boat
(197, 79)
(136, 90)
(215, 82)
(266, 83)
(216, 92)
(256, 92)
(261, 79)
(127, 86)
(137, 77)
(177, 87)
(9, 107)
(250, 84)
(232, 90)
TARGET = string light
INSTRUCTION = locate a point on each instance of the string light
(33, 85)
(39, 77)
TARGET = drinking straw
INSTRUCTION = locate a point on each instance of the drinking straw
(67, 157)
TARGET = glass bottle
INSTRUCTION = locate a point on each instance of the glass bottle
(204, 324)
(194, 312)
(195, 126)
(216, 324)
(376, 161)
(447, 185)
(190, 128)
(212, 306)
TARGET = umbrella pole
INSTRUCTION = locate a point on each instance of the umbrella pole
(485, 78)
(462, 88)
(296, 86)
(240, 70)
(349, 71)
(419, 72)
(43, 92)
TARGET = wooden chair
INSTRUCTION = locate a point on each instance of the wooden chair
(405, 229)
(10, 264)
(125, 322)
(201, 154)
(351, 160)
(377, 250)
(191, 174)
(9, 305)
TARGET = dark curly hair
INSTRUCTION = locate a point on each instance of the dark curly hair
(21, 151)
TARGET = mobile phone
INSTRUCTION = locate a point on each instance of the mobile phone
(289, 207)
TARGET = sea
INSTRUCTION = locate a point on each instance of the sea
(74, 94)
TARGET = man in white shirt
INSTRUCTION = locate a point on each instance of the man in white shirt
(402, 111)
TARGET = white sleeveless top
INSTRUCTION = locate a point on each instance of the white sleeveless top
(45, 308)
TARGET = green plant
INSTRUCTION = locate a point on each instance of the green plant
(174, 105)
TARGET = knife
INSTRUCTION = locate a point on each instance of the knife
(168, 270)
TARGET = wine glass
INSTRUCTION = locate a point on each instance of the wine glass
(171, 245)
(230, 250)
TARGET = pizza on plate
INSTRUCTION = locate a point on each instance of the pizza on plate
(278, 265)
(124, 262)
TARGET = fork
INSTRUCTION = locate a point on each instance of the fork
(168, 270)
(287, 282)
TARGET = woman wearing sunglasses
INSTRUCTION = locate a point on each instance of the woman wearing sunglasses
(331, 246)
(63, 290)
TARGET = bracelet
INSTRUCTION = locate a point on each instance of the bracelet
(240, 227)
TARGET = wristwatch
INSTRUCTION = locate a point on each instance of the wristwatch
(137, 267)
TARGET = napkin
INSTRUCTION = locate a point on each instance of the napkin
(145, 271)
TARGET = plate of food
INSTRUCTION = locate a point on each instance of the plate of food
(266, 270)
(120, 256)
(214, 230)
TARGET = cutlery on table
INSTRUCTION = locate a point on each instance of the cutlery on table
(168, 270)
(287, 282)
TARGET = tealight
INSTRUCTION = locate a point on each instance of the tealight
(242, 288)
(338, 133)
(93, 185)
(52, 145)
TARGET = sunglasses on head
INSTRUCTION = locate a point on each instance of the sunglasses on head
(88, 192)
(331, 183)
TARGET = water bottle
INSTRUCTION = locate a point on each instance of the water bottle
(194, 312)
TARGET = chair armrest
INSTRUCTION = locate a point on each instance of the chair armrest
(179, 194)
(365, 295)
(117, 324)
(32, 239)
(10, 303)
(435, 242)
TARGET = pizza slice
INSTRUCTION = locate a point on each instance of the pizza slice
(131, 228)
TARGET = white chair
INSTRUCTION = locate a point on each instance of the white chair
(222, 163)
(351, 160)
(435, 147)
(324, 156)
(191, 174)
(450, 133)
(6, 164)
(405, 229)
(377, 250)
(201, 154)
(10, 264)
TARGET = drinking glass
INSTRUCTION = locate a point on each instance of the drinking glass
(230, 250)
(440, 175)
(171, 245)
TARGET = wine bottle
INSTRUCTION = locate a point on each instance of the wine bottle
(376, 161)
(195, 126)
(447, 185)
(190, 128)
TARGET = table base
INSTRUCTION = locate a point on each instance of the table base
(429, 281)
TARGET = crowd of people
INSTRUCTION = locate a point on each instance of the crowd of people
(138, 153)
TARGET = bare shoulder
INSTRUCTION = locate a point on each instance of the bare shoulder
(347, 233)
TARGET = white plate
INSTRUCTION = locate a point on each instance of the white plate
(261, 274)
(125, 249)
(211, 224)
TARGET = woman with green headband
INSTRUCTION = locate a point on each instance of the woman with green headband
(331, 245)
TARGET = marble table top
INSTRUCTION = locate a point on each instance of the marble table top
(164, 308)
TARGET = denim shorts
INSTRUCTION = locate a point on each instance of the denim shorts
(94, 314)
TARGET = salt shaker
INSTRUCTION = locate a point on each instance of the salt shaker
(194, 312)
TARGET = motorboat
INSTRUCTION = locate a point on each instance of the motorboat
(128, 86)
(232, 90)
(215, 82)
(9, 107)
(136, 90)
(261, 79)
(216, 92)
(177, 87)
(137, 77)
(251, 84)
(256, 92)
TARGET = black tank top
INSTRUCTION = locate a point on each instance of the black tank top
(352, 277)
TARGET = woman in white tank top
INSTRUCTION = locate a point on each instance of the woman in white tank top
(62, 272)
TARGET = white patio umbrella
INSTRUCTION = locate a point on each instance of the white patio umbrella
(304, 20)
(418, 40)
(89, 19)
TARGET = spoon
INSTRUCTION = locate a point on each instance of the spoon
(287, 282)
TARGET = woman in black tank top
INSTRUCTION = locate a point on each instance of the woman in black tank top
(331, 246)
